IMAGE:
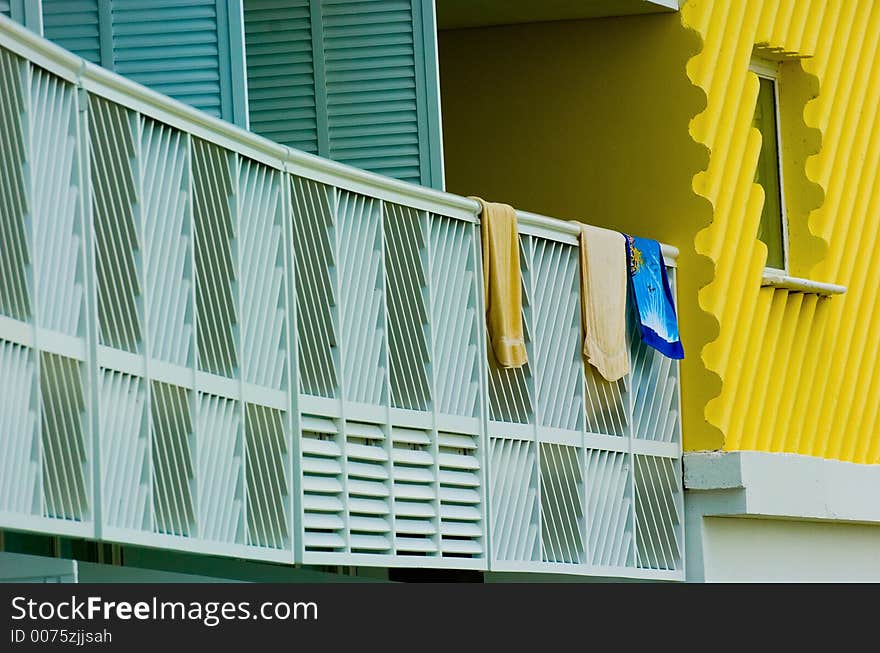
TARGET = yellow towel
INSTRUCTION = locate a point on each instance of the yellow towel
(502, 283)
(603, 300)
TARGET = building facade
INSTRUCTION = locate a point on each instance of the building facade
(226, 346)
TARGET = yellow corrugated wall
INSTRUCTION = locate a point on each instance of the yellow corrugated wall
(798, 373)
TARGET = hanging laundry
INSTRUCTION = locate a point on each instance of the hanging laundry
(502, 283)
(603, 301)
(653, 297)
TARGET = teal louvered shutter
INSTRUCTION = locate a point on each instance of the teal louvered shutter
(5, 8)
(191, 50)
(174, 48)
(280, 71)
(74, 25)
(363, 93)
(372, 104)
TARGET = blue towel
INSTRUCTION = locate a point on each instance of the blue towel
(653, 298)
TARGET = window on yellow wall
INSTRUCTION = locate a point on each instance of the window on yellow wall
(772, 229)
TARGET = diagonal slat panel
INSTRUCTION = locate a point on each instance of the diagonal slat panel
(609, 506)
(15, 300)
(658, 512)
(65, 461)
(19, 452)
(514, 500)
(173, 473)
(219, 451)
(164, 159)
(215, 274)
(655, 392)
(405, 279)
(125, 476)
(315, 267)
(455, 325)
(267, 484)
(112, 150)
(557, 330)
(262, 275)
(54, 176)
(562, 509)
(359, 222)
(510, 394)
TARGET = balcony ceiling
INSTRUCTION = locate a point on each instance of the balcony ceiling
(479, 13)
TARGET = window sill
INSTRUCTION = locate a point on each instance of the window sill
(774, 279)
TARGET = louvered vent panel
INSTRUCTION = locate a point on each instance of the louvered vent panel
(53, 170)
(19, 451)
(281, 80)
(117, 239)
(164, 158)
(562, 509)
(609, 506)
(65, 465)
(361, 305)
(510, 397)
(514, 496)
(557, 317)
(415, 492)
(267, 483)
(15, 300)
(172, 460)
(317, 311)
(456, 361)
(215, 275)
(220, 480)
(461, 506)
(171, 46)
(405, 279)
(371, 86)
(125, 451)
(368, 487)
(262, 275)
(658, 512)
(322, 485)
(73, 24)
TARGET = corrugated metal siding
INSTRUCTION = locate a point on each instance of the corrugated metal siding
(371, 85)
(74, 25)
(173, 47)
(281, 79)
(799, 373)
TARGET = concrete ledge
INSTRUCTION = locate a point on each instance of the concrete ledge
(755, 483)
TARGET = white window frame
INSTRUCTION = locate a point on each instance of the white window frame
(770, 70)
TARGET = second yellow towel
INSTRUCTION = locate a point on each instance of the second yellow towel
(603, 300)
(502, 283)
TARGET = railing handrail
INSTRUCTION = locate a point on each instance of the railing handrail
(106, 83)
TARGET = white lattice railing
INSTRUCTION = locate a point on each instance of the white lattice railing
(212, 343)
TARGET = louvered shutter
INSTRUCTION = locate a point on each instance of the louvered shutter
(183, 48)
(5, 8)
(173, 47)
(281, 80)
(74, 25)
(352, 80)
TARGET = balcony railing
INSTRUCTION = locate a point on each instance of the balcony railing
(213, 343)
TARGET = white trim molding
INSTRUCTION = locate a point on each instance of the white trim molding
(752, 515)
(775, 279)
